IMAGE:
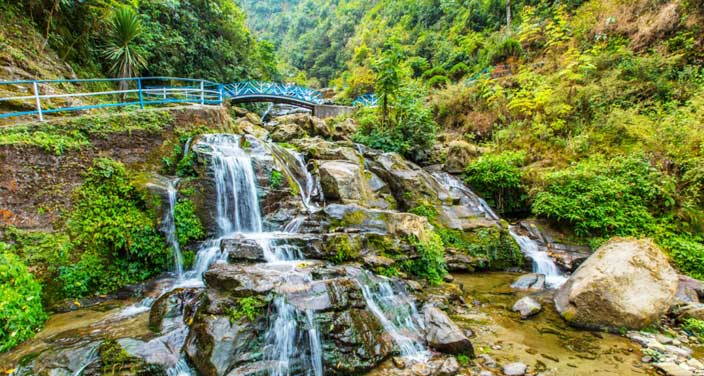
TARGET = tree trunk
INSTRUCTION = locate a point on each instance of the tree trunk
(508, 13)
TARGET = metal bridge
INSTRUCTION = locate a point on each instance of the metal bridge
(41, 97)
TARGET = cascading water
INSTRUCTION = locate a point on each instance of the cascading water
(169, 227)
(397, 314)
(295, 166)
(542, 262)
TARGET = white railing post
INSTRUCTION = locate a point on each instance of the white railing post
(38, 101)
(220, 88)
(202, 93)
(164, 91)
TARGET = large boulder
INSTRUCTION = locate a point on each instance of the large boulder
(459, 154)
(444, 335)
(625, 283)
(343, 181)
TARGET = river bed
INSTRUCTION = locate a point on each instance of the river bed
(545, 342)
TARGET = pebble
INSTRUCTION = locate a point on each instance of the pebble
(663, 339)
(646, 359)
(488, 361)
(515, 369)
(679, 351)
(695, 363)
(672, 369)
(486, 373)
(496, 347)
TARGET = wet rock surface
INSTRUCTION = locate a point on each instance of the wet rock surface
(607, 290)
(527, 307)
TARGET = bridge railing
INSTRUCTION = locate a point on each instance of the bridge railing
(42, 97)
(277, 89)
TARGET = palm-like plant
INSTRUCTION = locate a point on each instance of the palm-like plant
(122, 53)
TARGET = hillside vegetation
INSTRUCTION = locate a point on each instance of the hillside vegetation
(587, 113)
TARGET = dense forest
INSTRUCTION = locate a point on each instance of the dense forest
(584, 116)
(587, 113)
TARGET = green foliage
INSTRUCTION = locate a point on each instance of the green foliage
(506, 49)
(496, 247)
(687, 253)
(425, 210)
(694, 326)
(21, 311)
(188, 225)
(250, 307)
(111, 224)
(438, 81)
(190, 38)
(431, 263)
(458, 71)
(276, 179)
(123, 56)
(498, 178)
(603, 198)
(411, 129)
(344, 249)
(462, 359)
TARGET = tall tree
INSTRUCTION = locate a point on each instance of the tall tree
(122, 53)
(388, 76)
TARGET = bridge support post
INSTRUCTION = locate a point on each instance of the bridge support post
(141, 95)
(202, 93)
(220, 93)
(37, 101)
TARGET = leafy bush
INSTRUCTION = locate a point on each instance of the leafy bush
(431, 263)
(277, 179)
(249, 307)
(506, 49)
(496, 247)
(458, 71)
(21, 312)
(497, 177)
(694, 326)
(438, 81)
(111, 224)
(600, 198)
(188, 225)
(687, 253)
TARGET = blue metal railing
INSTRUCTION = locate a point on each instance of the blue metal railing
(272, 89)
(40, 97)
(366, 100)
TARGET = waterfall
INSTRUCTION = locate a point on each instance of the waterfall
(397, 314)
(169, 227)
(466, 195)
(316, 348)
(295, 166)
(542, 262)
(237, 204)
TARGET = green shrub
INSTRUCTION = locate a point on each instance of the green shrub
(249, 307)
(418, 65)
(431, 263)
(694, 326)
(437, 71)
(497, 177)
(687, 254)
(188, 225)
(458, 71)
(425, 210)
(111, 224)
(21, 312)
(507, 48)
(277, 179)
(497, 247)
(438, 81)
(600, 198)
